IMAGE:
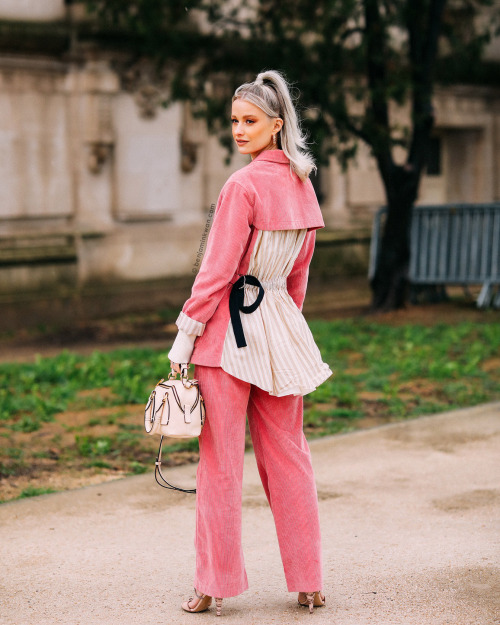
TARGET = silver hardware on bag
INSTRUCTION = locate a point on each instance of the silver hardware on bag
(175, 409)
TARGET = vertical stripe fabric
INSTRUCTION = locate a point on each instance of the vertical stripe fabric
(284, 464)
(281, 356)
(188, 325)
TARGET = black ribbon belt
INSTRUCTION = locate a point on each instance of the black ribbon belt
(236, 305)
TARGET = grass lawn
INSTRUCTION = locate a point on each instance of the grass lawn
(73, 420)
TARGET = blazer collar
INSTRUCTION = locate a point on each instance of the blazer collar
(276, 156)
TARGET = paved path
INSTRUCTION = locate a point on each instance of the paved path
(410, 519)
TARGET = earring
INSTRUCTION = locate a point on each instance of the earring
(274, 140)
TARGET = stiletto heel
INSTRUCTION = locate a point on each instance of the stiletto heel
(203, 603)
(312, 600)
(218, 604)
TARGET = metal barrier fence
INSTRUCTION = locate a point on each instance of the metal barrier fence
(451, 244)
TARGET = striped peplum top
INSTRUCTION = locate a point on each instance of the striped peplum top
(281, 355)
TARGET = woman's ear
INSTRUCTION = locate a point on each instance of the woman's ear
(278, 124)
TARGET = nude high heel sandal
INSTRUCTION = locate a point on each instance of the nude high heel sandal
(203, 602)
(312, 599)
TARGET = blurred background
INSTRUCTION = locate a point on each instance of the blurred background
(114, 129)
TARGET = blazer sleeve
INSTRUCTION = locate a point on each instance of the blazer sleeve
(226, 245)
(297, 279)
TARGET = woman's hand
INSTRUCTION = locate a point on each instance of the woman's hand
(175, 367)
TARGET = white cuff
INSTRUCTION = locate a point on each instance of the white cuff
(182, 348)
(188, 325)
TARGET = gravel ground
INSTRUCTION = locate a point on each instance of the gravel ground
(410, 520)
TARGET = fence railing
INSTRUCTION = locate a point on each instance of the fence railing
(451, 244)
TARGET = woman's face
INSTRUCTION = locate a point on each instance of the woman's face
(252, 129)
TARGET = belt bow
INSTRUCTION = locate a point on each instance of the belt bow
(236, 305)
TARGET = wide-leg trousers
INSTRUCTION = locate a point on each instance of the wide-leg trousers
(284, 464)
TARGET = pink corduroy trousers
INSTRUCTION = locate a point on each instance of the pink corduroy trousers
(284, 464)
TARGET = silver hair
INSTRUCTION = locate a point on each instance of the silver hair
(271, 93)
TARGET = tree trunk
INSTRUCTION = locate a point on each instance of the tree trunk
(390, 282)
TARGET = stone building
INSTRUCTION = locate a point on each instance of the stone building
(101, 187)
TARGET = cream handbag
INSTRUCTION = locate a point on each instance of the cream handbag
(175, 409)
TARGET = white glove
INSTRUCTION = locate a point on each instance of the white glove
(182, 349)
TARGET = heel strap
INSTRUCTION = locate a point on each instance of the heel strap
(218, 604)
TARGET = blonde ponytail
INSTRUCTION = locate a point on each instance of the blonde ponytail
(271, 93)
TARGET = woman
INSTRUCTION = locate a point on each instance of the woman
(260, 362)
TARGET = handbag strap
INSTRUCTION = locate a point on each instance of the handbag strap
(160, 479)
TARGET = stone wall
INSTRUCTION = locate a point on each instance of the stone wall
(82, 160)
(32, 10)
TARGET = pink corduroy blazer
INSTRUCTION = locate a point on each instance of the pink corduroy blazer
(263, 195)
